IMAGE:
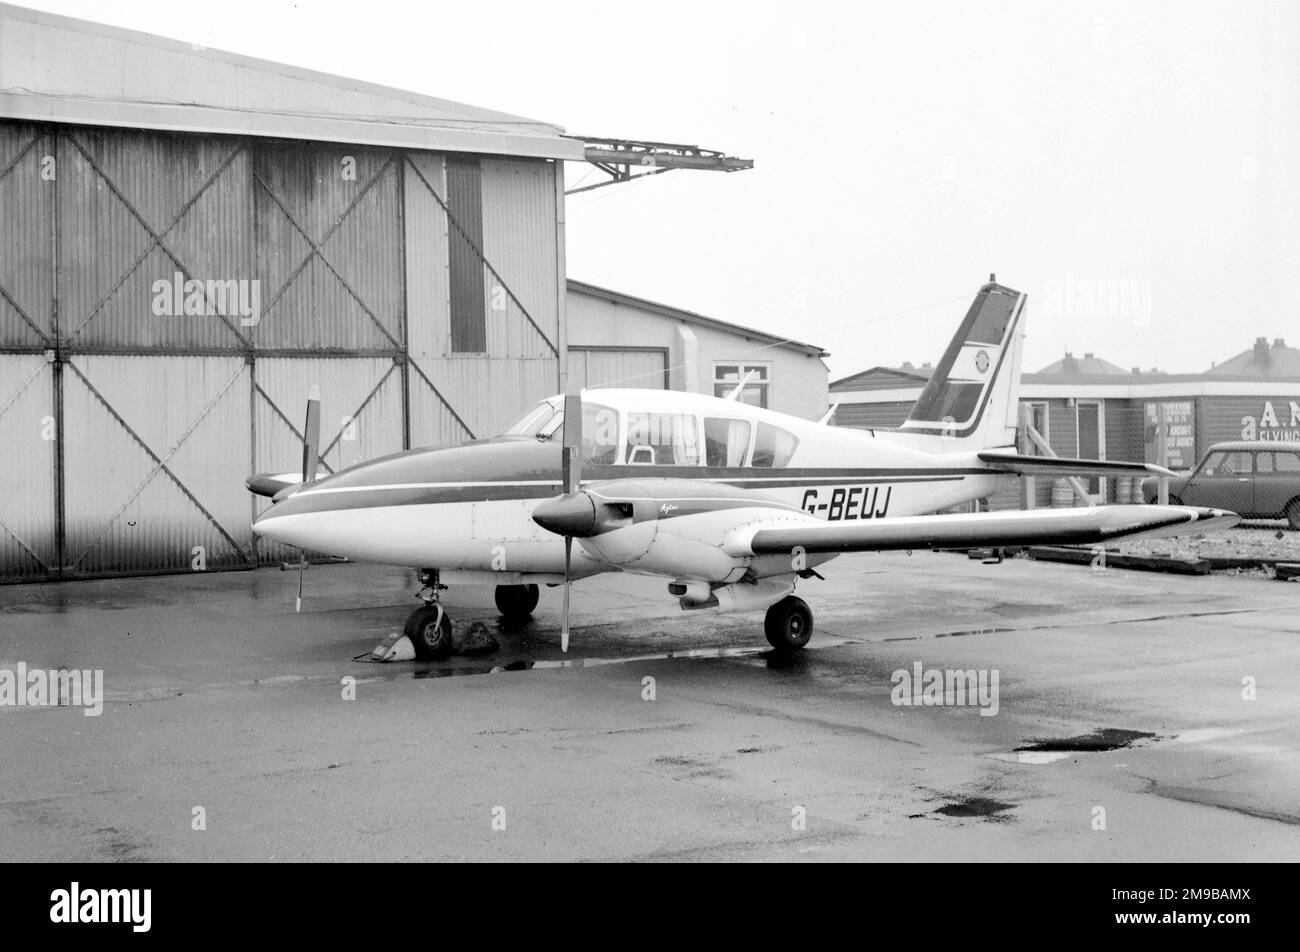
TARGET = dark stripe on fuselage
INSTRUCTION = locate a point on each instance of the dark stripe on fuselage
(324, 500)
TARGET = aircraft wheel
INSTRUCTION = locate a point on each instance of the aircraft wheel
(516, 601)
(789, 624)
(429, 629)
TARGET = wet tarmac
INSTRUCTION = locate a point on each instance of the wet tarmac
(946, 709)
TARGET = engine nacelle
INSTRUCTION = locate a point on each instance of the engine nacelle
(744, 596)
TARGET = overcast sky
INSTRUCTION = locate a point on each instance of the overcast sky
(1134, 167)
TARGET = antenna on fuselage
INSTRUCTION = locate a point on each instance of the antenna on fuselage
(826, 417)
(740, 387)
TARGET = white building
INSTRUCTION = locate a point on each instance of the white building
(616, 339)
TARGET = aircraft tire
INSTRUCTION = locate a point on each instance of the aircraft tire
(430, 635)
(789, 624)
(516, 601)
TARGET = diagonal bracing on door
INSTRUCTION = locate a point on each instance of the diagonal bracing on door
(482, 257)
(316, 249)
(3, 410)
(160, 465)
(4, 292)
(156, 238)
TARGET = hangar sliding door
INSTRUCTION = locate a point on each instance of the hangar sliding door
(168, 299)
(28, 411)
(642, 368)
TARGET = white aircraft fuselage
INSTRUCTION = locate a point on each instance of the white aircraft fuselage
(469, 508)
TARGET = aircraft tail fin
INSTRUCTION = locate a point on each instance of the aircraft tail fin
(973, 394)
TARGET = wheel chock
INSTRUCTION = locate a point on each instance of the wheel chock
(396, 647)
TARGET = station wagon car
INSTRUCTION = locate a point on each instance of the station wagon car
(1258, 480)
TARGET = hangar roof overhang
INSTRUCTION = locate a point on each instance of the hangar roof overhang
(690, 317)
(62, 69)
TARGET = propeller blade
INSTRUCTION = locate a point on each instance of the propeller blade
(311, 436)
(310, 462)
(564, 629)
(572, 464)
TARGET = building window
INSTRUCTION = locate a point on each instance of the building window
(756, 393)
(465, 236)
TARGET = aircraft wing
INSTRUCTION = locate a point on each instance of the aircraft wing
(1062, 466)
(1085, 526)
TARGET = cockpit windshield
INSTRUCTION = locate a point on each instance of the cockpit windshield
(543, 421)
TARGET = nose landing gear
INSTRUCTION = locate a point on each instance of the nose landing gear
(429, 627)
(516, 602)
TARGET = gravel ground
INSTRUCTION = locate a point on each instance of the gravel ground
(1249, 540)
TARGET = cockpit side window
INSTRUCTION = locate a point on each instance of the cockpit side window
(663, 439)
(599, 434)
(725, 441)
(773, 446)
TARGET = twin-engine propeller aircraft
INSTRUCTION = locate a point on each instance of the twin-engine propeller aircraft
(732, 504)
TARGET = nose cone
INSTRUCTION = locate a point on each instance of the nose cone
(573, 514)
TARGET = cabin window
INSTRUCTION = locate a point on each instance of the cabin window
(599, 434)
(773, 446)
(662, 439)
(726, 377)
(725, 441)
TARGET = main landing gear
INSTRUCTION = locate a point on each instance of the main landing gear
(516, 602)
(429, 627)
(789, 624)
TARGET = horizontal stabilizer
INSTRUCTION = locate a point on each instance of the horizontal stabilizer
(1061, 466)
(1086, 526)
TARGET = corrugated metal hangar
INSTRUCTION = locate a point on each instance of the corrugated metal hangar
(189, 244)
(191, 239)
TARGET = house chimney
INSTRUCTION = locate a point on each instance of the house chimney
(1137, 371)
(1087, 356)
(907, 365)
(1261, 350)
(1069, 365)
(1279, 342)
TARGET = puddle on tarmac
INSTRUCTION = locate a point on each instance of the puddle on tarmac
(970, 807)
(1062, 748)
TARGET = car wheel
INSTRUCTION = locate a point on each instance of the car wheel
(1293, 513)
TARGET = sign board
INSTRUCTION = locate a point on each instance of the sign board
(1277, 420)
(1180, 429)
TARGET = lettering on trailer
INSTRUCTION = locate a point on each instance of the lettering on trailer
(847, 503)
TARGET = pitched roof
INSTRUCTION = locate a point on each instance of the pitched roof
(1261, 360)
(690, 317)
(1087, 364)
(61, 69)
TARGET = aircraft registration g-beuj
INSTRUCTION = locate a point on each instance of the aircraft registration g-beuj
(733, 505)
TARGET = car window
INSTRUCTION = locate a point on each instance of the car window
(1263, 462)
(1286, 462)
(1212, 465)
(1237, 464)
(725, 441)
(773, 446)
